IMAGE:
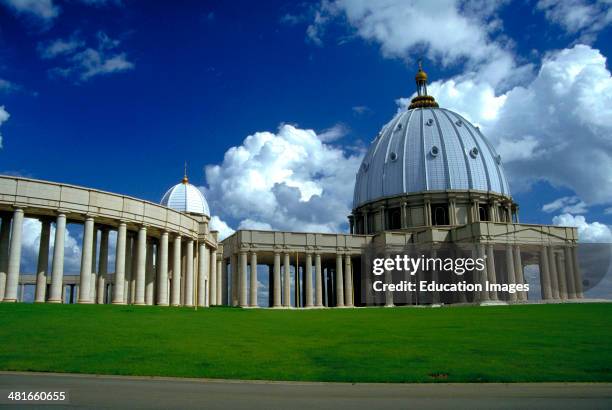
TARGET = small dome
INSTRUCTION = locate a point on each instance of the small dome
(428, 149)
(185, 197)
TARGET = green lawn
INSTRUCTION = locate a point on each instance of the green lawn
(463, 344)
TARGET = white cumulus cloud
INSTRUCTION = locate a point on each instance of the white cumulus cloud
(587, 232)
(216, 224)
(449, 31)
(42, 10)
(82, 62)
(567, 204)
(288, 180)
(584, 17)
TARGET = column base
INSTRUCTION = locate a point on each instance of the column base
(84, 302)
(9, 300)
(118, 303)
(140, 304)
(54, 301)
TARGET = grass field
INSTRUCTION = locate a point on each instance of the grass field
(462, 344)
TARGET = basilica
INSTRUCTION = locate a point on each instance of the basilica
(430, 182)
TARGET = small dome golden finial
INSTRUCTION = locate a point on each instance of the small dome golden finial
(420, 75)
(185, 179)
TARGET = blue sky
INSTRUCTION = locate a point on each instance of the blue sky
(116, 95)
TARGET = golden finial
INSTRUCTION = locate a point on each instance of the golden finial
(420, 75)
(185, 179)
(422, 100)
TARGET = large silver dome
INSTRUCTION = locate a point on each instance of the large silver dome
(428, 149)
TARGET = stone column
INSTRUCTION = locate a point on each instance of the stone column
(404, 215)
(102, 266)
(128, 294)
(510, 271)
(518, 268)
(5, 236)
(235, 279)
(213, 278)
(242, 275)
(296, 282)
(308, 280)
(318, 281)
(94, 268)
(14, 261)
(339, 283)
(427, 212)
(189, 273)
(452, 212)
(561, 277)
(348, 281)
(175, 299)
(491, 270)
(577, 276)
(569, 273)
(149, 275)
(287, 281)
(141, 266)
(225, 300)
(203, 275)
(118, 288)
(253, 284)
(43, 261)
(219, 279)
(86, 261)
(546, 290)
(383, 218)
(277, 281)
(162, 271)
(388, 279)
(554, 276)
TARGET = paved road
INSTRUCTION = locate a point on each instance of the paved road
(115, 392)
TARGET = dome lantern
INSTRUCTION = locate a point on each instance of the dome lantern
(422, 99)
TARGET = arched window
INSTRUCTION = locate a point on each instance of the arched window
(395, 218)
(483, 213)
(440, 215)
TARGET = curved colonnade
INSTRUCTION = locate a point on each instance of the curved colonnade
(162, 256)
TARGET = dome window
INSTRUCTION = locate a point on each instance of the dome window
(498, 159)
(459, 123)
(393, 156)
(399, 126)
(429, 122)
(474, 152)
(434, 151)
(364, 167)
